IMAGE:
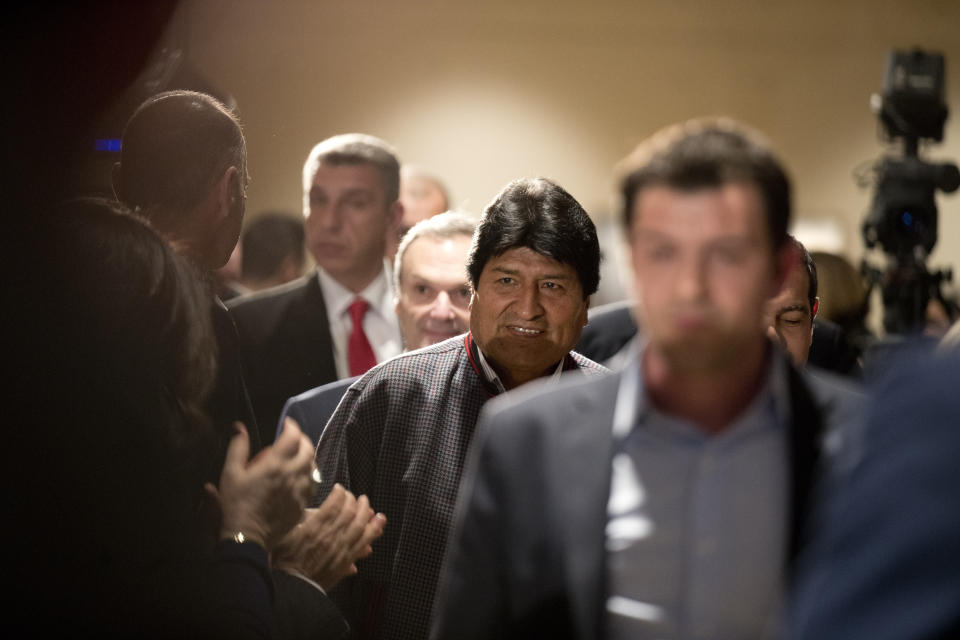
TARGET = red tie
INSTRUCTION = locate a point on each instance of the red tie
(359, 352)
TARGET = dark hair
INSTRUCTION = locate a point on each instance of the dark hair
(141, 308)
(540, 215)
(708, 153)
(270, 239)
(175, 147)
(115, 365)
(810, 267)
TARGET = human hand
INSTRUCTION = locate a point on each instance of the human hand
(331, 538)
(265, 497)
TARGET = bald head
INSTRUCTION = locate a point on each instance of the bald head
(183, 166)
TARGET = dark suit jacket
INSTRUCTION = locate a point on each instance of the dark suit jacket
(229, 401)
(526, 557)
(285, 346)
(303, 612)
(312, 409)
(885, 561)
(612, 326)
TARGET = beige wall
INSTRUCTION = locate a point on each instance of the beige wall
(483, 92)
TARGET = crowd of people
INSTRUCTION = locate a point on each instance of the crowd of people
(432, 434)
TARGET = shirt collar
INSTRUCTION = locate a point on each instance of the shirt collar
(492, 377)
(774, 394)
(378, 293)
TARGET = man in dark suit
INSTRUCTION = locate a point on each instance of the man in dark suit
(885, 558)
(183, 168)
(339, 321)
(667, 500)
(432, 295)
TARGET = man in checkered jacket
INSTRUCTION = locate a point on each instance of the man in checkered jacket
(401, 433)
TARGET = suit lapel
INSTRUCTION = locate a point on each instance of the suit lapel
(581, 475)
(314, 346)
(806, 435)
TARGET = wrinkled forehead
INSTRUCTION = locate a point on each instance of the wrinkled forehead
(796, 286)
(362, 173)
(440, 260)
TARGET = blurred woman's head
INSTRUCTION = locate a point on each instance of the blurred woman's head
(116, 356)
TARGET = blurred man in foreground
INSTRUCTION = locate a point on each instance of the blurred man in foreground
(666, 500)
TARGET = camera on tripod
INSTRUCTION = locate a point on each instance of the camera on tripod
(902, 218)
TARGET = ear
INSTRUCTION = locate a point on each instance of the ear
(115, 180)
(586, 310)
(228, 192)
(473, 297)
(395, 215)
(816, 306)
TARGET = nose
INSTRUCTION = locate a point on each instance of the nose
(442, 308)
(527, 305)
(691, 284)
(326, 217)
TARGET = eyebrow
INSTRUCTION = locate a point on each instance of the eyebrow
(793, 307)
(517, 272)
(348, 192)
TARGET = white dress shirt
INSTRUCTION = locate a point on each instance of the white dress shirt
(495, 379)
(379, 323)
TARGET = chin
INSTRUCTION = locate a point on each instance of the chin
(433, 338)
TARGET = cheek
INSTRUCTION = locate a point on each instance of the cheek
(311, 223)
(740, 290)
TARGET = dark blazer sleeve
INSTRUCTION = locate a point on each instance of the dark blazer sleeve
(313, 409)
(242, 592)
(885, 559)
(303, 612)
(610, 327)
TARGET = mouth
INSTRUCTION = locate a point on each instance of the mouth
(692, 322)
(327, 248)
(524, 332)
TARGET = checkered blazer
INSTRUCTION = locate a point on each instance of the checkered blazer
(400, 435)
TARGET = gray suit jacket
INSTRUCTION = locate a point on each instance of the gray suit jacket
(526, 557)
(312, 409)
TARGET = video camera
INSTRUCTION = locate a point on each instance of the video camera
(902, 218)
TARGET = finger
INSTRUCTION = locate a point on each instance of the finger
(362, 516)
(306, 456)
(332, 505)
(238, 451)
(288, 443)
(304, 488)
(212, 490)
(347, 512)
(363, 553)
(372, 531)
